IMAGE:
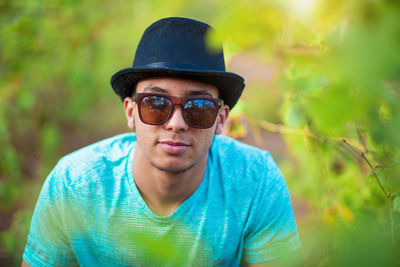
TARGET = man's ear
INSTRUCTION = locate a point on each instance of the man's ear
(223, 114)
(129, 107)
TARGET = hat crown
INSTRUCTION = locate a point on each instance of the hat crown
(177, 47)
(178, 43)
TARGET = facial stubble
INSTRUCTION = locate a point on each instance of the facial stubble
(174, 171)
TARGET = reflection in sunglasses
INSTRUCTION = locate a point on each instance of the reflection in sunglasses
(156, 109)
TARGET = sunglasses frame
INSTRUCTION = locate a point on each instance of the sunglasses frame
(176, 100)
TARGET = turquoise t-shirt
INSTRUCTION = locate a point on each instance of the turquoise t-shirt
(90, 212)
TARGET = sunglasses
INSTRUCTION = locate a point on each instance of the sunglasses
(198, 112)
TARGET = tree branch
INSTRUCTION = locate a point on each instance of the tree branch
(353, 145)
(373, 171)
(279, 128)
(362, 154)
(382, 166)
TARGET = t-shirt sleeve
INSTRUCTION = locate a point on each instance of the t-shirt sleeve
(271, 231)
(47, 243)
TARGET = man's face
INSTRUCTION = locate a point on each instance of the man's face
(173, 146)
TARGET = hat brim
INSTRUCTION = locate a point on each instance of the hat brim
(230, 85)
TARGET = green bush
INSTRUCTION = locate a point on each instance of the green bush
(334, 100)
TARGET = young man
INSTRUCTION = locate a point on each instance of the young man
(174, 193)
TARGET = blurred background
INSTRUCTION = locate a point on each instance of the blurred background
(322, 95)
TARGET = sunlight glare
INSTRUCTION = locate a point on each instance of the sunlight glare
(303, 8)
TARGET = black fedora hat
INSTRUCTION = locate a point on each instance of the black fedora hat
(176, 47)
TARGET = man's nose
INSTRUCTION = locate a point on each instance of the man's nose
(176, 122)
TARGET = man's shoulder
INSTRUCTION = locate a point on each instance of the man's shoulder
(103, 156)
(111, 148)
(231, 150)
(241, 163)
(231, 143)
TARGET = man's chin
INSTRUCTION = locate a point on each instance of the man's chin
(172, 169)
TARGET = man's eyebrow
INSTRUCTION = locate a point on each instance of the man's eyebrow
(152, 88)
(195, 92)
(200, 92)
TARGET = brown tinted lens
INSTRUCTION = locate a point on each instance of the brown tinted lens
(155, 109)
(200, 113)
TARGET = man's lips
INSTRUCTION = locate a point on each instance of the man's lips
(173, 147)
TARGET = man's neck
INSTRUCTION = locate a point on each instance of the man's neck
(163, 191)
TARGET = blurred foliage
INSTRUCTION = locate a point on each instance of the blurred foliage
(338, 66)
(338, 78)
